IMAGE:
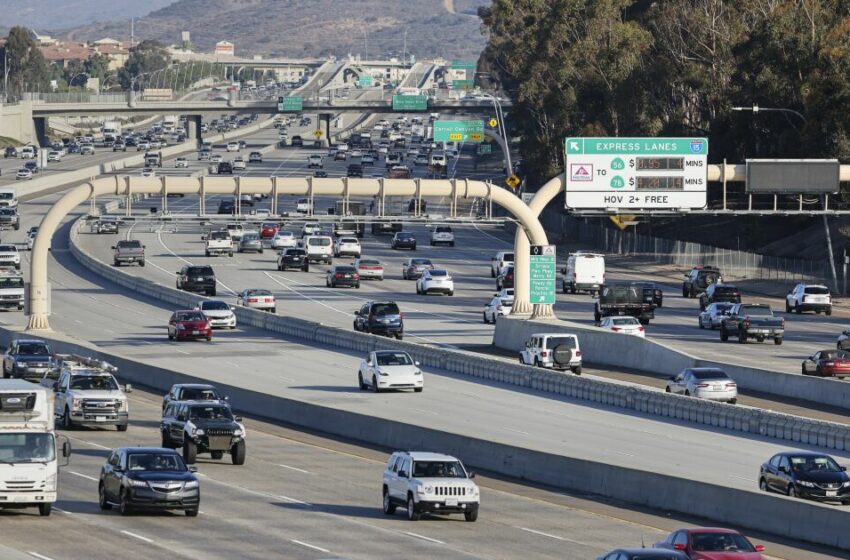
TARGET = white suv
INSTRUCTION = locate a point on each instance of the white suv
(500, 261)
(809, 297)
(553, 350)
(443, 234)
(436, 280)
(429, 483)
(347, 246)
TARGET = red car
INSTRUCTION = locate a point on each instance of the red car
(709, 543)
(828, 363)
(268, 230)
(188, 324)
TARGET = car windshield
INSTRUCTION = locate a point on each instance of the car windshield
(508, 257)
(210, 413)
(723, 307)
(368, 262)
(319, 241)
(721, 542)
(8, 249)
(130, 244)
(438, 469)
(346, 269)
(420, 262)
(155, 462)
(814, 463)
(93, 383)
(817, 290)
(507, 302)
(250, 237)
(555, 341)
(200, 394)
(220, 235)
(7, 196)
(393, 359)
(709, 374)
(27, 448)
(349, 240)
(442, 229)
(33, 349)
(268, 225)
(404, 235)
(252, 293)
(439, 273)
(191, 316)
(624, 321)
(833, 354)
(383, 309)
(7, 282)
(215, 306)
(725, 290)
(200, 270)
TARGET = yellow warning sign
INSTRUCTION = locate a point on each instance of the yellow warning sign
(513, 181)
(494, 123)
(317, 133)
(476, 137)
(454, 136)
(624, 221)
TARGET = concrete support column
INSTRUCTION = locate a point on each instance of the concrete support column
(193, 129)
(41, 131)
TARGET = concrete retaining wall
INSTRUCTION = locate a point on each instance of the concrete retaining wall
(633, 398)
(769, 513)
(614, 350)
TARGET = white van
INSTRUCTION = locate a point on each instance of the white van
(8, 198)
(584, 272)
(319, 248)
(438, 158)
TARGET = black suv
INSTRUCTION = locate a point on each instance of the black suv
(10, 151)
(293, 258)
(194, 278)
(354, 170)
(698, 279)
(28, 359)
(404, 240)
(296, 141)
(203, 427)
(719, 293)
(227, 206)
(225, 168)
(148, 478)
(652, 293)
(380, 317)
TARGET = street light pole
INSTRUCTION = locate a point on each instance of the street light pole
(404, 52)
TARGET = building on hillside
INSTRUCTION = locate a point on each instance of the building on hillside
(116, 51)
(107, 41)
(42, 40)
(62, 54)
(224, 48)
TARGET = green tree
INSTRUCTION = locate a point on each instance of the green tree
(28, 69)
(146, 57)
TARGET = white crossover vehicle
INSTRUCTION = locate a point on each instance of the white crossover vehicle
(436, 280)
(552, 350)
(389, 369)
(283, 240)
(347, 246)
(498, 306)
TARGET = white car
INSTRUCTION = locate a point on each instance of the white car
(347, 246)
(498, 306)
(148, 172)
(625, 325)
(435, 280)
(356, 153)
(218, 312)
(315, 161)
(704, 383)
(181, 163)
(389, 369)
(53, 155)
(309, 228)
(442, 235)
(421, 482)
(216, 158)
(713, 315)
(369, 269)
(552, 350)
(31, 237)
(23, 173)
(9, 256)
(319, 248)
(304, 206)
(500, 261)
(239, 164)
(232, 146)
(283, 240)
(257, 299)
(809, 297)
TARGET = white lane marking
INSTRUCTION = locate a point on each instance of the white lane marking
(93, 444)
(308, 545)
(295, 469)
(431, 412)
(423, 537)
(515, 431)
(135, 536)
(256, 492)
(81, 475)
(541, 533)
(40, 556)
(60, 510)
(740, 477)
(182, 351)
(294, 501)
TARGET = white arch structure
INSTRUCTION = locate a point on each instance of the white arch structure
(273, 186)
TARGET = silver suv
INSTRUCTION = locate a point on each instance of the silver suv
(425, 482)
(552, 350)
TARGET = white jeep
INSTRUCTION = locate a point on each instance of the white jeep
(552, 350)
(424, 482)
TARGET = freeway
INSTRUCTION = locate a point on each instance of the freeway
(305, 496)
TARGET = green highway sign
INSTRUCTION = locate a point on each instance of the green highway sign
(458, 131)
(637, 146)
(289, 103)
(485, 148)
(542, 275)
(365, 80)
(410, 103)
(463, 84)
(463, 65)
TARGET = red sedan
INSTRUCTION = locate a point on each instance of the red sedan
(188, 324)
(268, 230)
(709, 543)
(828, 363)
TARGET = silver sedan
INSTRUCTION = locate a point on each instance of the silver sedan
(704, 383)
(251, 242)
(257, 299)
(711, 317)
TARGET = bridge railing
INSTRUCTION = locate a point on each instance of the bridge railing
(75, 97)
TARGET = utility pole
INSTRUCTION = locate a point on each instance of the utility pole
(132, 32)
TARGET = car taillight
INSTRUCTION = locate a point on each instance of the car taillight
(640, 328)
(338, 275)
(252, 300)
(679, 546)
(731, 384)
(782, 322)
(356, 276)
(616, 329)
(702, 385)
(578, 353)
(544, 354)
(746, 322)
(509, 276)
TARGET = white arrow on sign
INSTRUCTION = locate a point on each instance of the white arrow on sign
(573, 145)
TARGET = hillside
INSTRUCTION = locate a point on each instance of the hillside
(313, 28)
(48, 15)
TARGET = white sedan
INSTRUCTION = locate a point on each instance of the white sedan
(435, 280)
(347, 246)
(216, 158)
(284, 239)
(181, 163)
(257, 299)
(239, 164)
(625, 325)
(498, 306)
(23, 173)
(148, 172)
(369, 269)
(389, 369)
(704, 383)
(233, 146)
(218, 312)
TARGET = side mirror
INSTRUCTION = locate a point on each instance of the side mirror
(55, 386)
(66, 449)
(759, 548)
(471, 474)
(178, 272)
(783, 469)
(128, 388)
(402, 474)
(416, 363)
(357, 312)
(679, 546)
(113, 247)
(143, 246)
(233, 308)
(844, 469)
(193, 468)
(672, 378)
(237, 418)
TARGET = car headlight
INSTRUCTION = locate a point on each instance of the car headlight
(424, 489)
(77, 404)
(190, 484)
(383, 373)
(21, 364)
(197, 431)
(805, 483)
(238, 432)
(137, 483)
(846, 484)
(475, 491)
(125, 406)
(180, 327)
(50, 483)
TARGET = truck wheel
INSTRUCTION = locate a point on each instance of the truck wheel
(389, 506)
(576, 370)
(375, 388)
(237, 453)
(190, 452)
(44, 509)
(122, 427)
(192, 512)
(572, 288)
(724, 336)
(699, 320)
(787, 307)
(412, 514)
(206, 253)
(742, 337)
(141, 263)
(230, 254)
(778, 341)
(66, 420)
(829, 310)
(797, 309)
(684, 291)
(116, 263)
(471, 516)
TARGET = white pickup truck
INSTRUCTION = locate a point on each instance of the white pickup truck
(87, 394)
(219, 243)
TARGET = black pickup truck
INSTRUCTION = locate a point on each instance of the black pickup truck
(751, 320)
(625, 299)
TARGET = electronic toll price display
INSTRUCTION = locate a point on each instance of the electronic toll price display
(636, 173)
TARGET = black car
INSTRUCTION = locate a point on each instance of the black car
(296, 141)
(719, 293)
(148, 478)
(29, 359)
(652, 293)
(643, 554)
(10, 151)
(342, 275)
(194, 278)
(698, 279)
(354, 170)
(380, 317)
(193, 392)
(806, 474)
(225, 168)
(130, 142)
(320, 174)
(32, 166)
(227, 206)
(293, 258)
(404, 240)
(203, 427)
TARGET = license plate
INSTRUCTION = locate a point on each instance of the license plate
(385, 321)
(451, 501)
(716, 388)
(831, 493)
(196, 332)
(348, 276)
(100, 418)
